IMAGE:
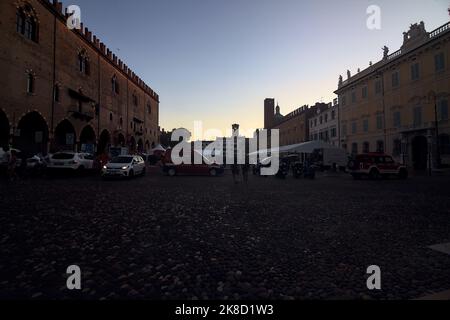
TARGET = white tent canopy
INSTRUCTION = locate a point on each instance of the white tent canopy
(157, 148)
(305, 147)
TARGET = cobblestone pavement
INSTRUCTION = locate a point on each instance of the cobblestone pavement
(205, 238)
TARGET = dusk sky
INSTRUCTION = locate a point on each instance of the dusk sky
(217, 60)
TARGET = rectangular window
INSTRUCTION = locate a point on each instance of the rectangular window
(417, 116)
(56, 93)
(30, 83)
(366, 125)
(395, 79)
(354, 127)
(353, 96)
(364, 92)
(379, 122)
(439, 62)
(343, 100)
(397, 119)
(344, 129)
(366, 147)
(380, 146)
(333, 115)
(354, 148)
(415, 75)
(333, 133)
(19, 23)
(378, 87)
(397, 147)
(443, 110)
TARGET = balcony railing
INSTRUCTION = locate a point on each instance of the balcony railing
(84, 115)
(395, 54)
(440, 30)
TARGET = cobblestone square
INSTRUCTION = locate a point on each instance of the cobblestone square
(159, 238)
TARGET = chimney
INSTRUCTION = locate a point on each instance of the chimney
(58, 6)
(88, 34)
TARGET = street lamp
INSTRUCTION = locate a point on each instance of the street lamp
(432, 97)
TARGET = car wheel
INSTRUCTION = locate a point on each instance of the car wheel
(374, 174)
(213, 172)
(403, 174)
(172, 172)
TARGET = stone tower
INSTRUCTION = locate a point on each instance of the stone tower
(269, 112)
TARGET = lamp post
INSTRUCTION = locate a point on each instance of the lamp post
(433, 98)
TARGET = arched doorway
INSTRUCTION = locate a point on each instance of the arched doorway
(32, 135)
(121, 140)
(87, 140)
(65, 136)
(4, 129)
(104, 142)
(132, 145)
(419, 152)
(140, 146)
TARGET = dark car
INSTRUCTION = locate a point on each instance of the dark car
(205, 169)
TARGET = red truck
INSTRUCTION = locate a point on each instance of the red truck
(376, 166)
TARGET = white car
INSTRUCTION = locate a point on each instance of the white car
(124, 166)
(71, 160)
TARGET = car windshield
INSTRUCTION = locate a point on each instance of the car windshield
(63, 156)
(122, 160)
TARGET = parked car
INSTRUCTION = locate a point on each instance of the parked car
(375, 166)
(124, 166)
(71, 161)
(36, 162)
(207, 168)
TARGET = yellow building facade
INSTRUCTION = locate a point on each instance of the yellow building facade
(400, 105)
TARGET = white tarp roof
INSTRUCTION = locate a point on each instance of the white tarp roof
(305, 147)
(159, 148)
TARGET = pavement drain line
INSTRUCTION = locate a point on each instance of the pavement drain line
(443, 248)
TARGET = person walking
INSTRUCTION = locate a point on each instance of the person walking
(235, 172)
(246, 169)
(12, 163)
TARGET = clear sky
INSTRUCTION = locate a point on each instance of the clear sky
(217, 60)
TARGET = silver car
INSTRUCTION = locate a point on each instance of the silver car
(124, 166)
